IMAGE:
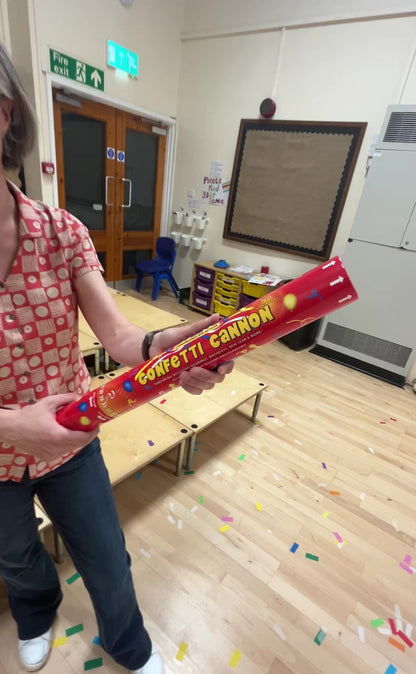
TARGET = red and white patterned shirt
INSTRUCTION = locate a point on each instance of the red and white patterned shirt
(39, 352)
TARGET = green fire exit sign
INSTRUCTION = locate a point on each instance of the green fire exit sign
(74, 69)
(123, 59)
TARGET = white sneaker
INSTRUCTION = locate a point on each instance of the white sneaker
(34, 652)
(154, 665)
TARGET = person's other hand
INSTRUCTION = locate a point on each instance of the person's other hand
(36, 431)
(196, 379)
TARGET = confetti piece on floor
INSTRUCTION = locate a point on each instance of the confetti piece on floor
(335, 493)
(188, 472)
(280, 632)
(276, 477)
(371, 450)
(201, 499)
(398, 615)
(313, 557)
(392, 419)
(171, 506)
(235, 658)
(392, 626)
(182, 651)
(382, 422)
(225, 528)
(405, 638)
(362, 496)
(93, 664)
(397, 644)
(59, 642)
(391, 669)
(361, 635)
(338, 537)
(74, 630)
(406, 568)
(258, 506)
(145, 553)
(395, 526)
(298, 443)
(180, 524)
(73, 578)
(321, 484)
(407, 559)
(138, 476)
(216, 472)
(341, 545)
(227, 519)
(193, 509)
(170, 519)
(377, 622)
(96, 641)
(408, 630)
(324, 465)
(294, 547)
(386, 631)
(150, 443)
(163, 401)
(241, 457)
(326, 513)
(320, 637)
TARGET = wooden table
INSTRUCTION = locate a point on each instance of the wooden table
(199, 412)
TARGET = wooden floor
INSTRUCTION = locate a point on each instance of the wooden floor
(330, 466)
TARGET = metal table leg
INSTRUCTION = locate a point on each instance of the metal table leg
(190, 452)
(179, 458)
(256, 406)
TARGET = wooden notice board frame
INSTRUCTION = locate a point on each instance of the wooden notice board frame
(289, 183)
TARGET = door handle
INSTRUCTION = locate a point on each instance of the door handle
(107, 178)
(127, 180)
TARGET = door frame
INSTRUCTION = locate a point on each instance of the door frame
(72, 87)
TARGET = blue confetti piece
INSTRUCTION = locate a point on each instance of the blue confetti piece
(138, 476)
(294, 547)
(97, 641)
(391, 669)
(151, 443)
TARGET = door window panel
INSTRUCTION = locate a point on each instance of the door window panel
(84, 170)
(140, 169)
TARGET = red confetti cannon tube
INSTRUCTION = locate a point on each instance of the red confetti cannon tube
(287, 308)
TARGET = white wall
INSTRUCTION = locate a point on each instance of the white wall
(347, 71)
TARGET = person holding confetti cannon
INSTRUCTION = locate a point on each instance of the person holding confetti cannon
(49, 268)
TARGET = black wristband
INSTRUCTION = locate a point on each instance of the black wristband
(147, 342)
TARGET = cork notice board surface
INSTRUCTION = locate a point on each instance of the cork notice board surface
(289, 183)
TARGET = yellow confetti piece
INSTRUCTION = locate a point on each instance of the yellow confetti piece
(326, 513)
(224, 528)
(235, 658)
(182, 651)
(258, 506)
(59, 642)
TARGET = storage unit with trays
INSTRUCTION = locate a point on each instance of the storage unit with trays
(219, 290)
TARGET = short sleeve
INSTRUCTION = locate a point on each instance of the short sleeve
(81, 256)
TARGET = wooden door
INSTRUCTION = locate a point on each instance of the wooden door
(110, 169)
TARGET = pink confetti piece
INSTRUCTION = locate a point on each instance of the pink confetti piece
(338, 537)
(392, 626)
(163, 401)
(227, 519)
(406, 568)
(407, 559)
(383, 422)
(404, 638)
(393, 419)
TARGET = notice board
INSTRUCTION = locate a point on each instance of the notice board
(289, 183)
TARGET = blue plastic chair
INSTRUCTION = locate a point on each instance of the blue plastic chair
(160, 267)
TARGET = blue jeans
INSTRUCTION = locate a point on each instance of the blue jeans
(78, 498)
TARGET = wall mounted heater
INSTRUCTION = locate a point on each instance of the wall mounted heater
(377, 334)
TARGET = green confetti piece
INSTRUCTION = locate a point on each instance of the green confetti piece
(73, 630)
(73, 578)
(188, 472)
(93, 664)
(378, 622)
(313, 557)
(201, 499)
(320, 637)
(242, 457)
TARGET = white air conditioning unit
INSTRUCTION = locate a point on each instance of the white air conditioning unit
(378, 333)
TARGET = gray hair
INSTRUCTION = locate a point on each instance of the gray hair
(21, 134)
